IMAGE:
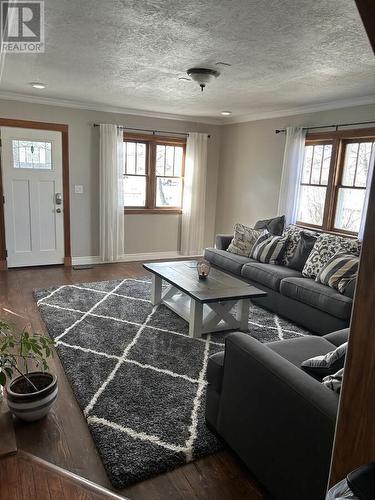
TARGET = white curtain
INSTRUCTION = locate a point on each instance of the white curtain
(194, 200)
(291, 174)
(111, 200)
(367, 195)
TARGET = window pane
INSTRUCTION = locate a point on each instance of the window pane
(316, 164)
(168, 192)
(141, 159)
(326, 164)
(169, 160)
(130, 158)
(364, 157)
(134, 191)
(160, 159)
(351, 154)
(349, 209)
(178, 154)
(311, 204)
(32, 154)
(307, 164)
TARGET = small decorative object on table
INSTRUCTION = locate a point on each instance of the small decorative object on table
(203, 268)
(32, 393)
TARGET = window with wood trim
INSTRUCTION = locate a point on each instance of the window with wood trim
(153, 173)
(334, 179)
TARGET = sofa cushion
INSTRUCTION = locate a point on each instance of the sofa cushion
(268, 274)
(317, 295)
(299, 349)
(215, 370)
(228, 261)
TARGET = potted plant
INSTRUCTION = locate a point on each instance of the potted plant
(32, 393)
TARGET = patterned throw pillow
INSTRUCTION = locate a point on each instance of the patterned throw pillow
(268, 248)
(244, 239)
(326, 246)
(293, 235)
(322, 366)
(339, 271)
(334, 382)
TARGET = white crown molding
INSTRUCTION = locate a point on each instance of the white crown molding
(67, 103)
(313, 108)
(248, 117)
(132, 257)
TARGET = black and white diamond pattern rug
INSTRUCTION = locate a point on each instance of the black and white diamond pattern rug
(138, 377)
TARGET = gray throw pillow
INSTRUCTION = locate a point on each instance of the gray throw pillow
(243, 240)
(274, 226)
(303, 250)
(328, 364)
(334, 382)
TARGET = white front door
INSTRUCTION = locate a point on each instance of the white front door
(32, 186)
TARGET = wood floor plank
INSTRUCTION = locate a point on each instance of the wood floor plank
(63, 438)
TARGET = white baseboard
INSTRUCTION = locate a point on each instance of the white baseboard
(131, 257)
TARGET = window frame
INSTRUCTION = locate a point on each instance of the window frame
(152, 141)
(339, 139)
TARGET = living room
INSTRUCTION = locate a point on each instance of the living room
(197, 184)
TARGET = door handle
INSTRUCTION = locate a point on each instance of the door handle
(58, 198)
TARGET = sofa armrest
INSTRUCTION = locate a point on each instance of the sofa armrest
(278, 419)
(223, 240)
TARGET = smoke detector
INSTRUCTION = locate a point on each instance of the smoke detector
(202, 76)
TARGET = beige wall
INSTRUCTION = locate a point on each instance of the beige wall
(251, 163)
(144, 233)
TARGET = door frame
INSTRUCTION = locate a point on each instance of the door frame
(55, 127)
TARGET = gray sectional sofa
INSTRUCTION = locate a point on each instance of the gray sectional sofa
(278, 419)
(312, 305)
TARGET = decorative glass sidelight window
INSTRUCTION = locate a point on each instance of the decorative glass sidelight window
(32, 154)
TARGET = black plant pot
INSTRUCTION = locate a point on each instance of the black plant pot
(32, 406)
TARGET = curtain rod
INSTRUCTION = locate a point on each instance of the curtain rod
(283, 130)
(154, 132)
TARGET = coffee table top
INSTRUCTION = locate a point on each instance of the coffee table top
(218, 286)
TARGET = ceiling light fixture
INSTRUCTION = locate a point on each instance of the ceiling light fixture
(202, 75)
(38, 85)
(226, 113)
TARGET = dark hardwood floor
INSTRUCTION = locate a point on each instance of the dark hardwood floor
(63, 437)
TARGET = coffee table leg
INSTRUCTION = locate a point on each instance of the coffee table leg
(243, 314)
(156, 290)
(196, 319)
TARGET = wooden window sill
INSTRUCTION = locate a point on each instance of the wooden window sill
(150, 211)
(311, 227)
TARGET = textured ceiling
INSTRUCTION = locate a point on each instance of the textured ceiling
(284, 54)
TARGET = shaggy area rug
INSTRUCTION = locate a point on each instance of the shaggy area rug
(137, 375)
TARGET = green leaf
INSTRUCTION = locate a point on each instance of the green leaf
(3, 378)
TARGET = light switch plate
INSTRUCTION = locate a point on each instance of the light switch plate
(78, 188)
